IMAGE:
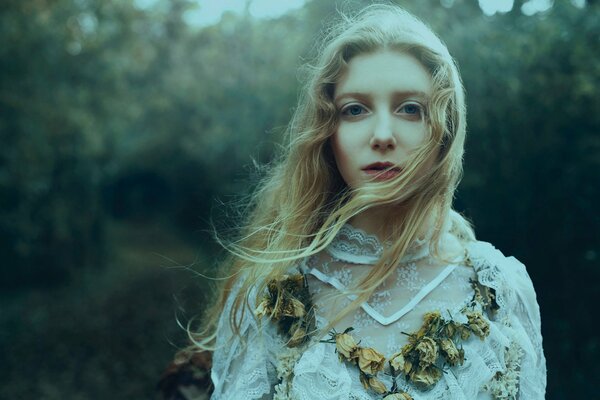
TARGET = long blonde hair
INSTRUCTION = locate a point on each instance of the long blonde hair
(302, 201)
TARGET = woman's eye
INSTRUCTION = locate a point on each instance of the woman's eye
(412, 109)
(353, 110)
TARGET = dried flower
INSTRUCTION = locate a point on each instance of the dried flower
(427, 349)
(450, 328)
(364, 380)
(288, 303)
(346, 346)
(377, 385)
(293, 308)
(397, 363)
(298, 335)
(370, 361)
(432, 320)
(478, 325)
(464, 331)
(407, 366)
(491, 300)
(398, 396)
(431, 324)
(453, 355)
(426, 376)
(477, 297)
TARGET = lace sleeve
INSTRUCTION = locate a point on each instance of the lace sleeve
(527, 324)
(523, 375)
(242, 365)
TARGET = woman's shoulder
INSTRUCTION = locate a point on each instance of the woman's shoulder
(505, 274)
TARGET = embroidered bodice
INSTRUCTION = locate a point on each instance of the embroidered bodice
(509, 363)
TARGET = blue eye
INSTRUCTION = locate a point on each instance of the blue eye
(353, 110)
(412, 109)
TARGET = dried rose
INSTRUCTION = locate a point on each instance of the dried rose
(295, 281)
(477, 297)
(431, 323)
(398, 396)
(453, 355)
(294, 308)
(450, 329)
(377, 385)
(397, 363)
(346, 346)
(370, 361)
(478, 325)
(464, 331)
(407, 366)
(426, 377)
(364, 380)
(298, 335)
(428, 351)
(432, 320)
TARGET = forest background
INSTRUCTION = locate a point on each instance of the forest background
(123, 129)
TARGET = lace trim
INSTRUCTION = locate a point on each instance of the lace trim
(286, 360)
(487, 261)
(355, 246)
(505, 385)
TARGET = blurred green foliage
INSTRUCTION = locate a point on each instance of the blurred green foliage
(112, 112)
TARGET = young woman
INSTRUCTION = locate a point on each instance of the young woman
(353, 278)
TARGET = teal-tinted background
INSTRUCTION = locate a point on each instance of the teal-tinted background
(121, 126)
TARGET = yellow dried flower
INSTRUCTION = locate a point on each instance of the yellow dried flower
(464, 331)
(426, 377)
(377, 385)
(293, 308)
(346, 346)
(370, 361)
(477, 297)
(478, 325)
(450, 329)
(427, 350)
(397, 362)
(491, 300)
(432, 320)
(453, 355)
(364, 380)
(407, 366)
(298, 335)
(398, 396)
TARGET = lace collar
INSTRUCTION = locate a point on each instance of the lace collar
(355, 246)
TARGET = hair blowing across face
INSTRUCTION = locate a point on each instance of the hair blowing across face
(302, 201)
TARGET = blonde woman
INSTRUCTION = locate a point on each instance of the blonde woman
(353, 277)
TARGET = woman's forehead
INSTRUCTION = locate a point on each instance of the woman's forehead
(392, 72)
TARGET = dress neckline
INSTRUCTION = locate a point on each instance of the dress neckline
(355, 246)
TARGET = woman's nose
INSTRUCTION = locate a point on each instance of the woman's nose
(383, 137)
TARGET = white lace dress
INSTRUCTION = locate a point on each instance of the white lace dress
(246, 367)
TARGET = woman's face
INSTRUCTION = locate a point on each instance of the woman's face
(381, 100)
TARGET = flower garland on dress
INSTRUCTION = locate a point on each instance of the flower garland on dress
(436, 345)
(288, 303)
(423, 359)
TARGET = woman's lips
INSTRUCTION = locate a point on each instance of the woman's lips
(382, 174)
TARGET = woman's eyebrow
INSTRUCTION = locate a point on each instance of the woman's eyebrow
(411, 93)
(395, 95)
(354, 95)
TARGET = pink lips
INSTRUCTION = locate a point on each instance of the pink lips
(381, 171)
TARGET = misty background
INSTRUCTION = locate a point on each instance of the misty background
(124, 126)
